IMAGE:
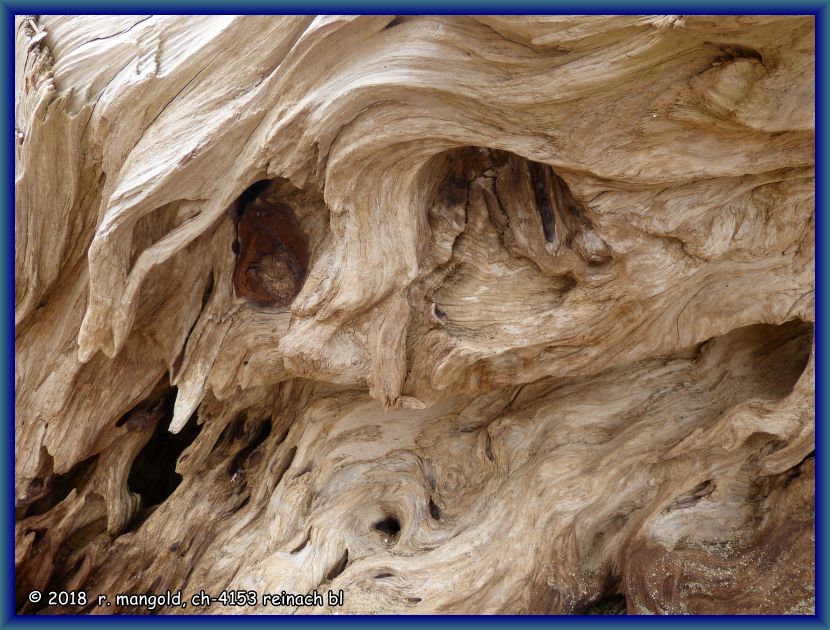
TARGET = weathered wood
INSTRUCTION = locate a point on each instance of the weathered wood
(455, 314)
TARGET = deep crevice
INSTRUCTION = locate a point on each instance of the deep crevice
(303, 543)
(434, 510)
(286, 464)
(59, 486)
(248, 456)
(231, 432)
(540, 179)
(153, 474)
(795, 472)
(240, 506)
(338, 567)
(730, 52)
(488, 448)
(205, 296)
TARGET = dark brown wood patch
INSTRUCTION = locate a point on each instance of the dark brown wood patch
(273, 254)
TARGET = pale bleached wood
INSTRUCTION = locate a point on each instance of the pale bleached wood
(553, 315)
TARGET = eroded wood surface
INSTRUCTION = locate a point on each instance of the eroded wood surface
(455, 314)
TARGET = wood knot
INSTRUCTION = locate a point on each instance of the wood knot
(273, 254)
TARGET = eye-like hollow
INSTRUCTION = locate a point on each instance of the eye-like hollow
(273, 253)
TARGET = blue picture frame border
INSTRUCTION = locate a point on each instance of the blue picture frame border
(454, 7)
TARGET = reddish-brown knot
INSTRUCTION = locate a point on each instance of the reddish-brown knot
(273, 254)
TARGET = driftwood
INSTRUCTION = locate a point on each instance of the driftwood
(453, 314)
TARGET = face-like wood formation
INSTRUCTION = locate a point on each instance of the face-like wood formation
(517, 317)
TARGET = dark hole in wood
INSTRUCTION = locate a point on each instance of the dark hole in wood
(390, 526)
(434, 510)
(58, 487)
(237, 428)
(730, 52)
(232, 432)
(273, 250)
(455, 191)
(249, 194)
(153, 473)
